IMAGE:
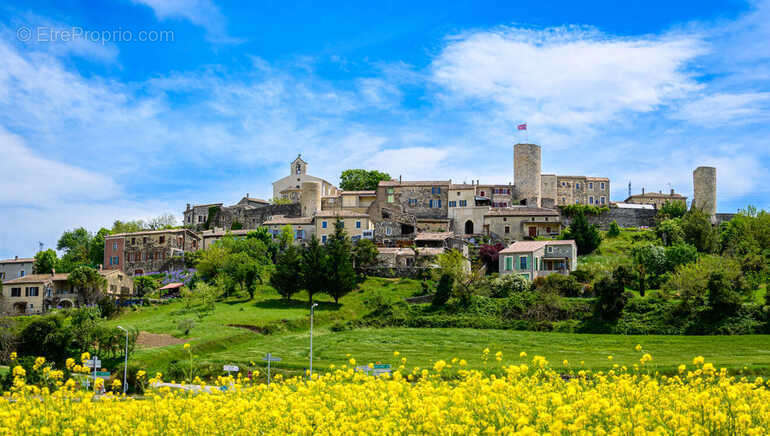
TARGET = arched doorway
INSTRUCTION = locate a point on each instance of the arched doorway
(20, 307)
(65, 304)
(469, 227)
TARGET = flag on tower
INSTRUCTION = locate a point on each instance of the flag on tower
(523, 126)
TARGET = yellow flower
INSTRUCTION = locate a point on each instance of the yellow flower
(18, 371)
(609, 357)
(69, 363)
(697, 361)
(13, 355)
(352, 361)
(638, 347)
(187, 346)
(682, 368)
(523, 354)
(565, 362)
(438, 366)
(396, 354)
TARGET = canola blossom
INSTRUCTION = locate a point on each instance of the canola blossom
(524, 398)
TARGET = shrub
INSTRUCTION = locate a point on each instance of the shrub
(566, 286)
(611, 298)
(586, 236)
(614, 230)
(443, 290)
(504, 286)
(670, 232)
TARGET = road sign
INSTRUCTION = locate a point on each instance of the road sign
(376, 370)
(231, 368)
(270, 358)
(103, 373)
(93, 363)
(381, 366)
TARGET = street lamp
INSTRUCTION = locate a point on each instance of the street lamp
(125, 364)
(311, 338)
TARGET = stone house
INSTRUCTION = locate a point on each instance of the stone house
(354, 201)
(405, 257)
(534, 259)
(520, 222)
(498, 195)
(566, 190)
(356, 224)
(14, 268)
(39, 293)
(149, 251)
(196, 216)
(209, 237)
(290, 187)
(401, 205)
(303, 227)
(656, 199)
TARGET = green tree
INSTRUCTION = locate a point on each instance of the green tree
(699, 232)
(364, 256)
(610, 298)
(286, 237)
(96, 247)
(287, 278)
(88, 282)
(144, 285)
(341, 277)
(586, 236)
(670, 232)
(454, 264)
(614, 230)
(314, 268)
(673, 209)
(724, 299)
(76, 245)
(361, 180)
(649, 262)
(443, 290)
(127, 227)
(45, 262)
(680, 254)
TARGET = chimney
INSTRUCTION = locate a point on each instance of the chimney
(188, 206)
(16, 258)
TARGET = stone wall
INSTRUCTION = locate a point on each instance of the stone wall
(253, 217)
(624, 217)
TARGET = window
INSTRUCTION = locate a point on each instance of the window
(358, 224)
(452, 204)
(200, 218)
(482, 194)
(412, 202)
(391, 199)
(144, 240)
(548, 230)
(577, 185)
(324, 224)
(388, 231)
(602, 186)
(563, 184)
(390, 190)
(508, 263)
(507, 229)
(299, 235)
(15, 292)
(189, 219)
(342, 224)
(591, 200)
(133, 241)
(22, 273)
(2, 276)
(114, 246)
(435, 190)
(549, 249)
(590, 185)
(603, 200)
(323, 239)
(523, 262)
(116, 260)
(32, 291)
(162, 240)
(536, 264)
(458, 193)
(563, 200)
(463, 203)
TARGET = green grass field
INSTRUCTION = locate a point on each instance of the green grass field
(213, 341)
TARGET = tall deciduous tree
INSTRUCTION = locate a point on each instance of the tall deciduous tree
(287, 278)
(361, 180)
(88, 282)
(45, 262)
(341, 277)
(649, 262)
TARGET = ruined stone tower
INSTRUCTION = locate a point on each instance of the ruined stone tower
(704, 181)
(526, 176)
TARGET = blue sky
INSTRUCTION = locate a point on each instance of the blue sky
(94, 129)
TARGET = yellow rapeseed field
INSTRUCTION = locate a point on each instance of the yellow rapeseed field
(526, 397)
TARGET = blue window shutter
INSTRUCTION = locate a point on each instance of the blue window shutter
(430, 203)
(439, 203)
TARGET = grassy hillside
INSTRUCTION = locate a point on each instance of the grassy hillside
(214, 341)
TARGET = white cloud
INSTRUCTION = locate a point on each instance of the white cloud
(567, 77)
(718, 110)
(203, 13)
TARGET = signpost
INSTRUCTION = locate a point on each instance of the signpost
(94, 363)
(377, 370)
(230, 368)
(270, 358)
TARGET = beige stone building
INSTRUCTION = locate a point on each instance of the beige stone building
(39, 293)
(520, 222)
(353, 201)
(533, 259)
(14, 268)
(357, 225)
(291, 186)
(592, 191)
(656, 199)
(303, 227)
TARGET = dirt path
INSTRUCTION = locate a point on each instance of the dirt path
(151, 340)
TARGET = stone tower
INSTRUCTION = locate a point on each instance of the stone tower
(298, 166)
(526, 176)
(310, 198)
(704, 181)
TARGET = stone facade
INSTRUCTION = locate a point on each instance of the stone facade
(14, 268)
(517, 223)
(252, 217)
(197, 215)
(149, 251)
(526, 174)
(657, 199)
(704, 181)
(593, 191)
(357, 225)
(303, 227)
(403, 206)
(625, 217)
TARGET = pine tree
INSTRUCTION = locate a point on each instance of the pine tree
(287, 278)
(586, 236)
(340, 273)
(314, 268)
